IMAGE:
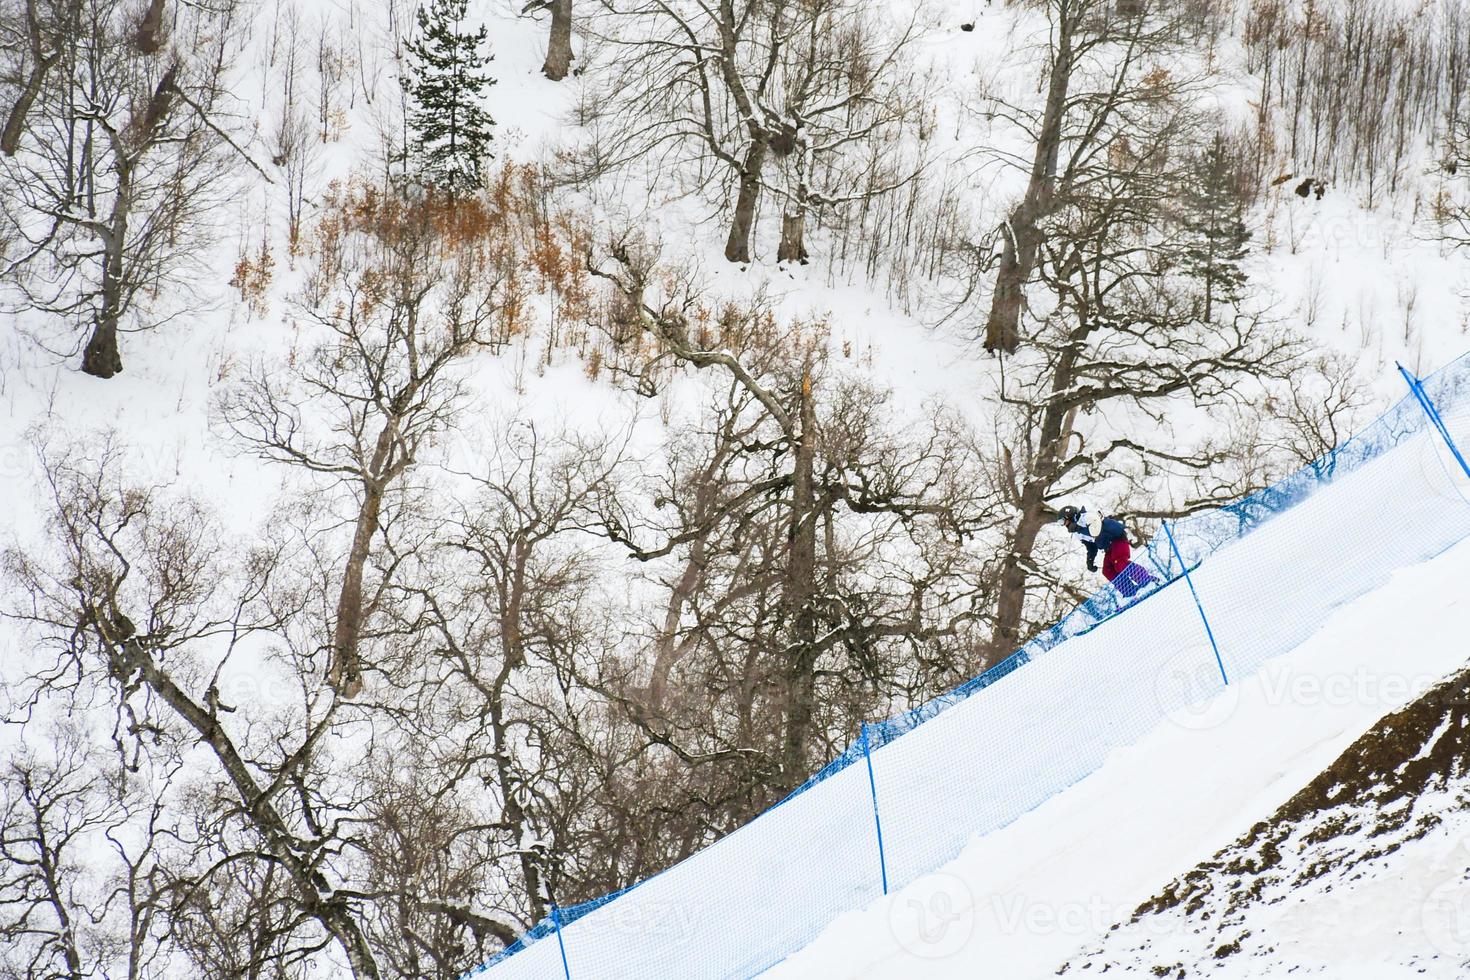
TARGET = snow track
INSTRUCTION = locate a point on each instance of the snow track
(1019, 902)
(1140, 696)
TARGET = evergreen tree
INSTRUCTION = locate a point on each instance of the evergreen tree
(450, 129)
(1216, 240)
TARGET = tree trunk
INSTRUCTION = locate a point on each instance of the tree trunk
(1055, 432)
(150, 30)
(801, 572)
(15, 122)
(1011, 606)
(792, 248)
(737, 247)
(793, 222)
(515, 816)
(345, 672)
(58, 896)
(101, 358)
(559, 50)
(1018, 258)
(1023, 236)
(160, 104)
(668, 648)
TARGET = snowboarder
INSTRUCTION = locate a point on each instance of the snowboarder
(1110, 536)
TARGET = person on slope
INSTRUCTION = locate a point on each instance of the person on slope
(1110, 536)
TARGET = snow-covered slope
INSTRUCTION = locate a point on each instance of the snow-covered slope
(1022, 901)
(1365, 276)
(1163, 782)
(1367, 868)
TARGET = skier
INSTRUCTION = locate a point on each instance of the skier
(1110, 536)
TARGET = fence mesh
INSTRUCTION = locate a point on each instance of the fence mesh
(1268, 570)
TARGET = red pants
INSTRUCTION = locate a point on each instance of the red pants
(1116, 558)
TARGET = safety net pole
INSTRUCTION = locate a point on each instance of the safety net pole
(556, 921)
(1197, 604)
(877, 824)
(1427, 404)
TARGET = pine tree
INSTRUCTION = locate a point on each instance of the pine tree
(450, 129)
(1216, 238)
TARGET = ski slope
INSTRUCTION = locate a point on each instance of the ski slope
(1124, 696)
(1020, 901)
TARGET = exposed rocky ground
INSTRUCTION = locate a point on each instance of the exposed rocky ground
(1383, 829)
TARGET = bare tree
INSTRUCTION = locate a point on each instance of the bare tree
(404, 291)
(122, 158)
(44, 43)
(725, 90)
(93, 862)
(1316, 413)
(48, 810)
(1121, 348)
(297, 148)
(781, 607)
(139, 605)
(513, 613)
(1351, 89)
(1100, 57)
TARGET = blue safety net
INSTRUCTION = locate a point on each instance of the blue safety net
(1265, 572)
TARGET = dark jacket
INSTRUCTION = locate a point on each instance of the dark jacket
(1112, 530)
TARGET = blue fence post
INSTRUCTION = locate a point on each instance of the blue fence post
(878, 824)
(1427, 404)
(1197, 604)
(556, 921)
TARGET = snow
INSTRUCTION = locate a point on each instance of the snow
(1019, 901)
(1358, 904)
(1033, 889)
(1433, 740)
(1405, 917)
(1135, 698)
